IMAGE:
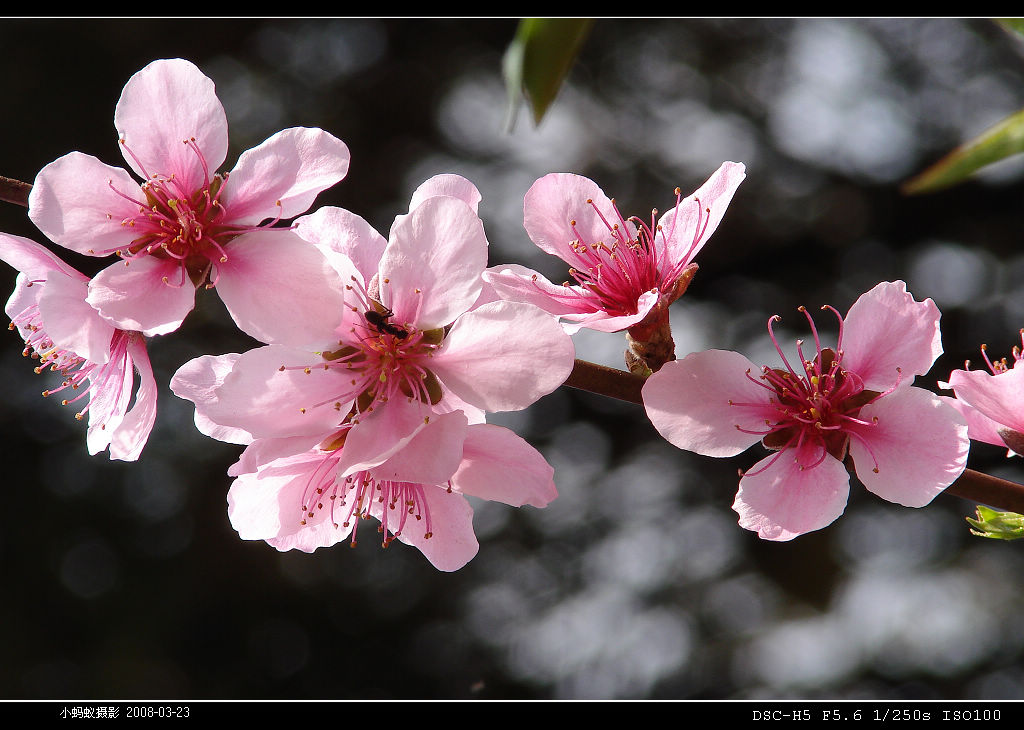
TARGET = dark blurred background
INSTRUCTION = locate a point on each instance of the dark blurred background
(127, 580)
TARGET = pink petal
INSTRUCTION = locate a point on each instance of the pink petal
(33, 260)
(433, 262)
(979, 426)
(131, 436)
(161, 107)
(341, 231)
(281, 289)
(70, 322)
(380, 434)
(918, 443)
(521, 284)
(268, 504)
(503, 356)
(602, 321)
(144, 294)
(452, 543)
(786, 499)
(998, 397)
(263, 452)
(701, 402)
(290, 168)
(79, 202)
(688, 226)
(109, 395)
(449, 185)
(431, 456)
(197, 381)
(499, 465)
(887, 329)
(258, 397)
(556, 200)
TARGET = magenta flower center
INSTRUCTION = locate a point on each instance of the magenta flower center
(613, 273)
(380, 358)
(186, 225)
(818, 404)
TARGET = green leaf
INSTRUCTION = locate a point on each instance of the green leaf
(1013, 24)
(1003, 140)
(997, 525)
(538, 60)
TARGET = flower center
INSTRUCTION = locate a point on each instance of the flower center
(188, 226)
(380, 358)
(614, 273)
(819, 404)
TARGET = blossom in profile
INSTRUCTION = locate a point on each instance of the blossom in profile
(906, 444)
(992, 400)
(409, 347)
(624, 272)
(95, 361)
(179, 229)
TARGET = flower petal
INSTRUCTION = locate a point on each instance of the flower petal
(451, 542)
(144, 294)
(344, 232)
(499, 465)
(887, 329)
(689, 225)
(197, 381)
(131, 436)
(282, 176)
(503, 356)
(163, 106)
(785, 499)
(917, 442)
(277, 392)
(431, 456)
(979, 426)
(701, 402)
(267, 505)
(34, 260)
(70, 322)
(430, 270)
(280, 289)
(556, 212)
(79, 203)
(998, 397)
(449, 185)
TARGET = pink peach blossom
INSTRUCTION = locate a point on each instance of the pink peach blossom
(180, 228)
(95, 359)
(623, 268)
(906, 444)
(993, 401)
(406, 350)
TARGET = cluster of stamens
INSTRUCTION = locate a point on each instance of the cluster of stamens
(616, 272)
(344, 501)
(820, 404)
(74, 369)
(1001, 365)
(189, 226)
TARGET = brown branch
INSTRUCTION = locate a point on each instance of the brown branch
(14, 191)
(973, 485)
(606, 381)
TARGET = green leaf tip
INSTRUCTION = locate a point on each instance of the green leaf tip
(538, 59)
